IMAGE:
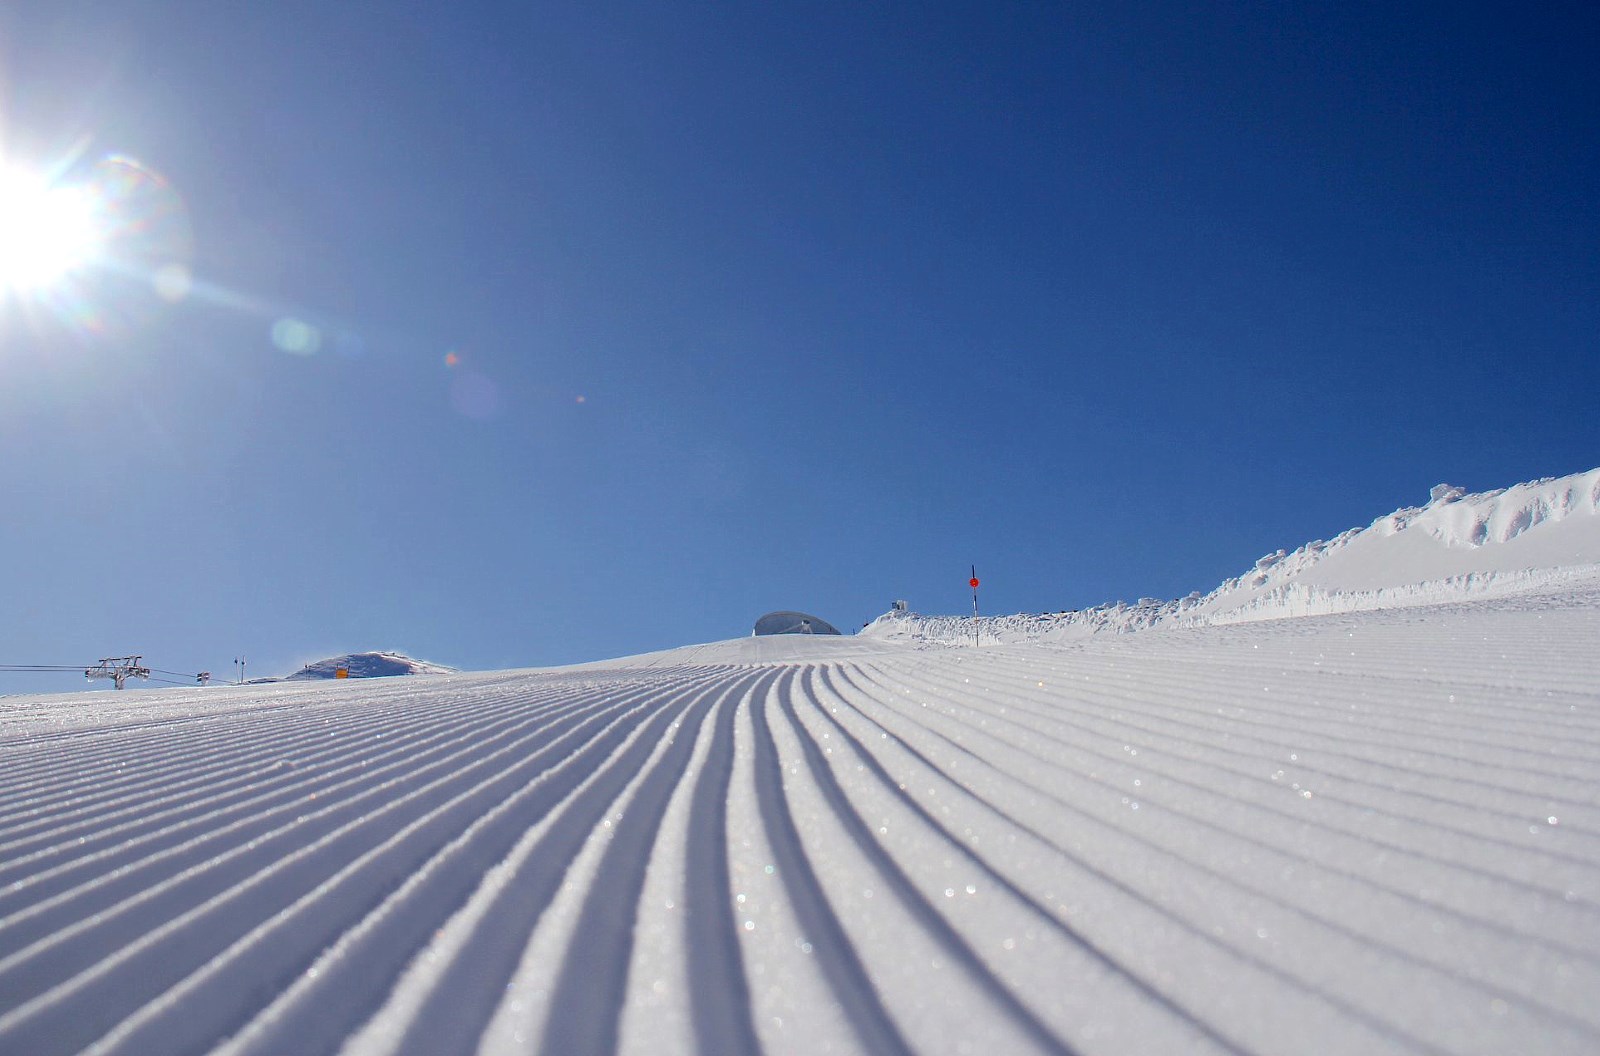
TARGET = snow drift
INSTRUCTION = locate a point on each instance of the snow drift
(1545, 524)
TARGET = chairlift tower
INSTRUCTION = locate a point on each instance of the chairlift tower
(119, 669)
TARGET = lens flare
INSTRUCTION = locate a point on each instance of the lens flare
(102, 251)
(45, 231)
(172, 283)
(296, 337)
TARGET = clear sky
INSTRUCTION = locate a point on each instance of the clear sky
(531, 333)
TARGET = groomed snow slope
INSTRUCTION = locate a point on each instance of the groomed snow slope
(1376, 832)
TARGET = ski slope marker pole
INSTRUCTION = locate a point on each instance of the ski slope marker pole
(973, 583)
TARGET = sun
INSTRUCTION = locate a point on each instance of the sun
(47, 231)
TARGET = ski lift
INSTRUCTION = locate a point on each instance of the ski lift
(118, 669)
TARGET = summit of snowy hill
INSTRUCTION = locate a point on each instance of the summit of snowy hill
(1457, 545)
(368, 665)
(1544, 524)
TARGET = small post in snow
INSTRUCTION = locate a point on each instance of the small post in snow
(973, 583)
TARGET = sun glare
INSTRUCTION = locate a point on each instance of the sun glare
(45, 231)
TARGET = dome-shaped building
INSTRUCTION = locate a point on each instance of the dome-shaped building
(793, 623)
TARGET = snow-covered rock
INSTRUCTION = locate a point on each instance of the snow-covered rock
(368, 665)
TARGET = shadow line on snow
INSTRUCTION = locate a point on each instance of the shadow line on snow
(589, 996)
(841, 967)
(250, 800)
(463, 999)
(1288, 817)
(1354, 1012)
(719, 994)
(933, 923)
(201, 868)
(204, 937)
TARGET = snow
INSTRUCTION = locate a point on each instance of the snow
(1372, 829)
(364, 665)
(1457, 546)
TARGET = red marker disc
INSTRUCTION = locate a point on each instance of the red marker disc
(973, 583)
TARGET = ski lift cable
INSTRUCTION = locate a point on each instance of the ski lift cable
(189, 676)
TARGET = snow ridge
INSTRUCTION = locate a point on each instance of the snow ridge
(1488, 544)
(1452, 517)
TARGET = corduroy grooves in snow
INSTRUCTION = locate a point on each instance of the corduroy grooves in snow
(1370, 830)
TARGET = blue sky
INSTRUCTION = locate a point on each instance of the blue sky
(771, 306)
